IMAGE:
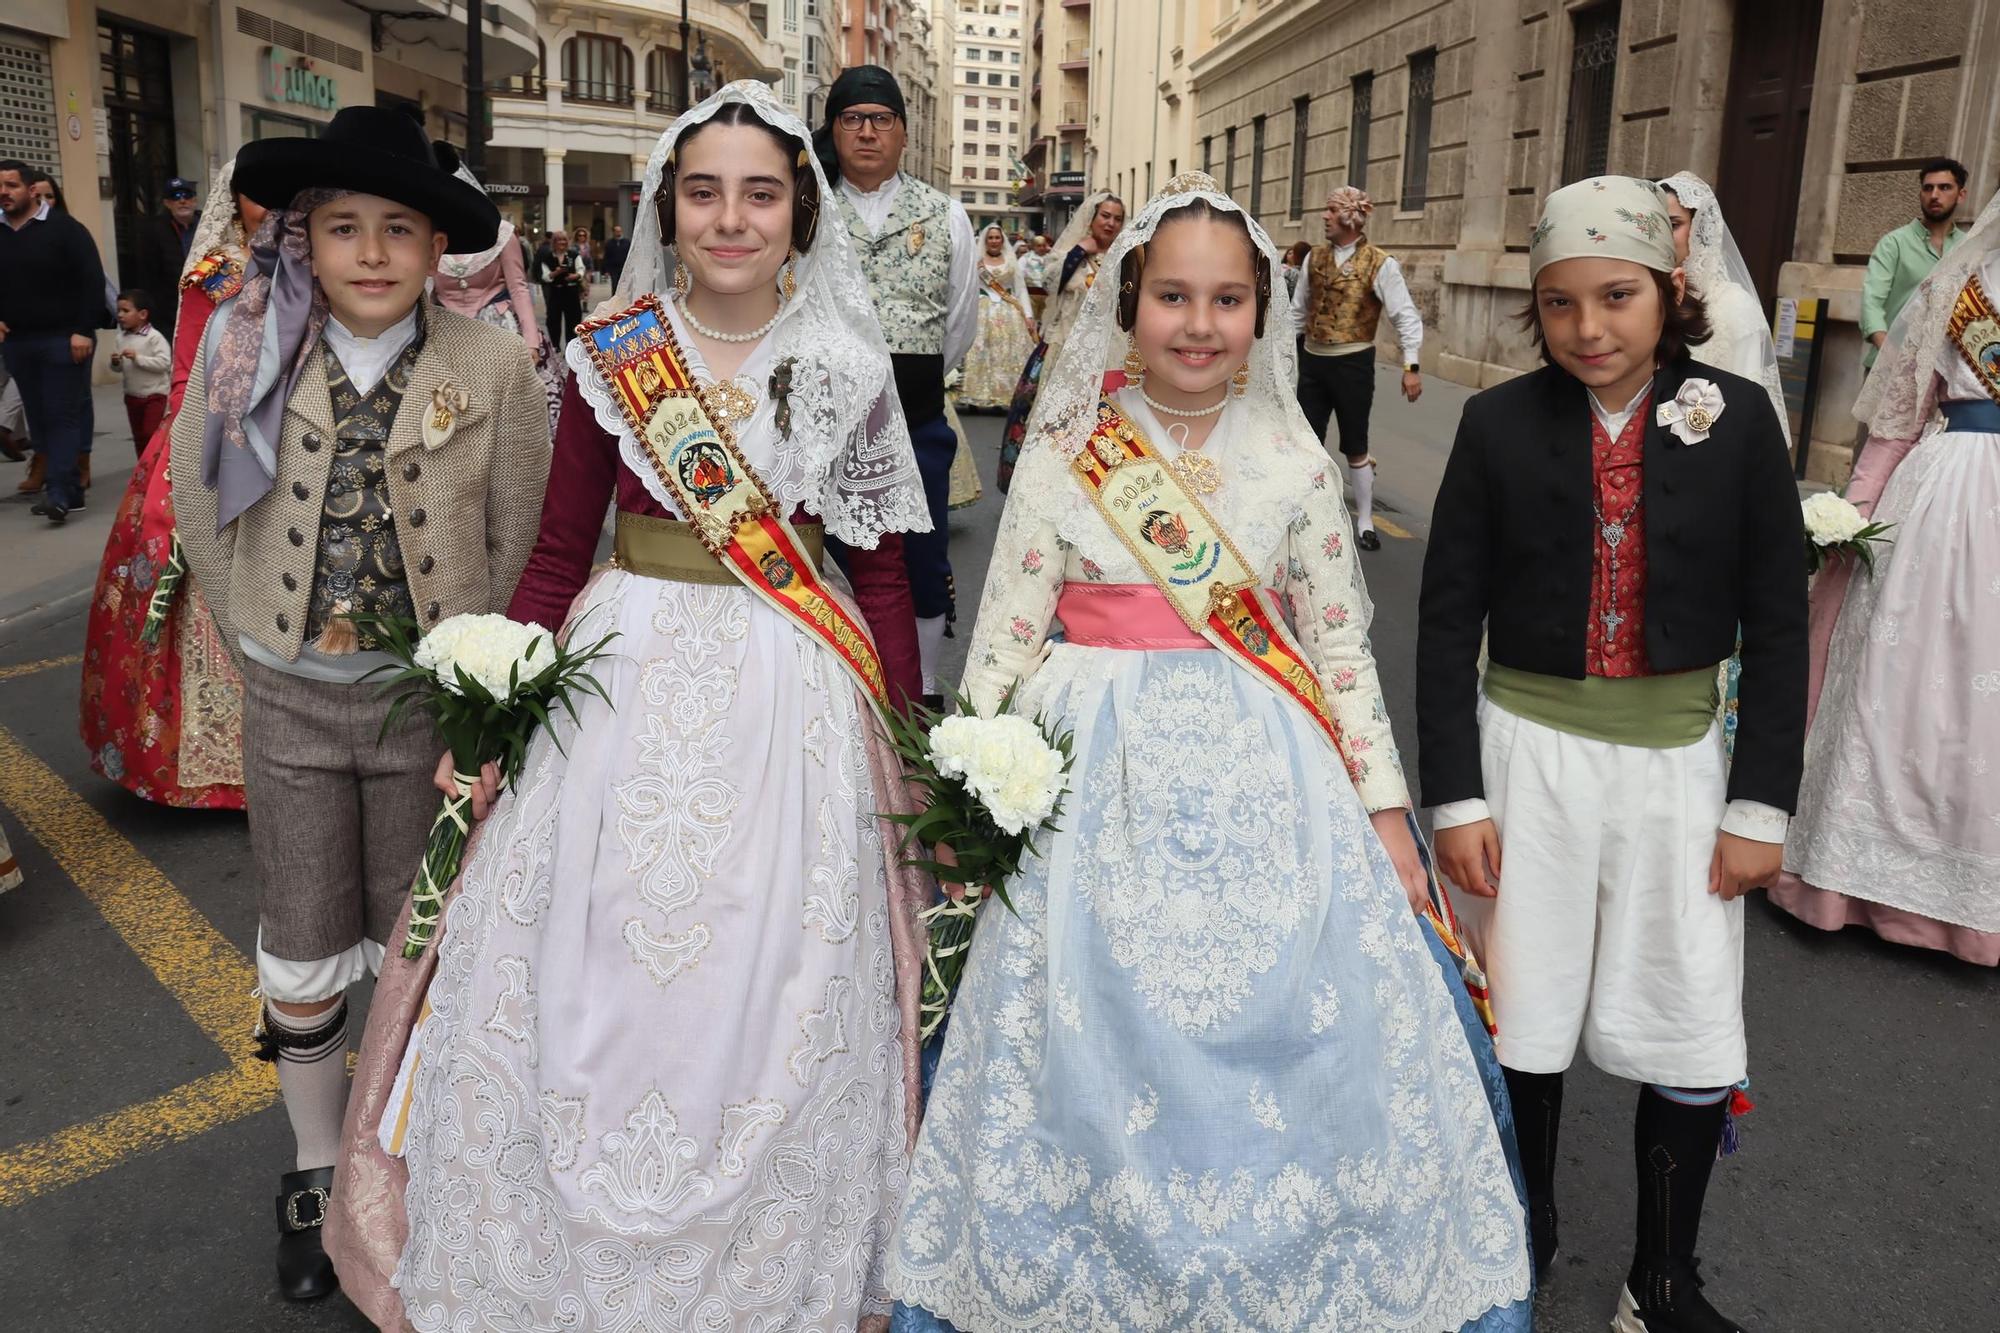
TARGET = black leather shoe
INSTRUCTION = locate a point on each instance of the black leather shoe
(1669, 1300)
(54, 513)
(1367, 540)
(304, 1271)
(1543, 1238)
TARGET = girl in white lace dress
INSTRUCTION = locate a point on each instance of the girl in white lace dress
(1210, 1074)
(660, 1085)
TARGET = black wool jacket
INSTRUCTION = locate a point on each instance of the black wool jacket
(1511, 552)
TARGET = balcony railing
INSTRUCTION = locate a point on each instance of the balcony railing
(599, 94)
(1072, 116)
(1076, 53)
(665, 103)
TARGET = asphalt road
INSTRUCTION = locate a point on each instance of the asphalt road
(139, 1145)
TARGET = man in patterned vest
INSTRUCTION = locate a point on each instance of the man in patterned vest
(917, 249)
(1348, 286)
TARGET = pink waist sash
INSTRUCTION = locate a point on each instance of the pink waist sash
(1122, 615)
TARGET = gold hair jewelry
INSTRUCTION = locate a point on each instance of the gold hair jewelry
(1135, 367)
(1241, 379)
(683, 281)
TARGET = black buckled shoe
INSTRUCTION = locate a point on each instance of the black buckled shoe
(1665, 1297)
(1367, 540)
(304, 1271)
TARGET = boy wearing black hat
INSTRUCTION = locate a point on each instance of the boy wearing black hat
(916, 247)
(349, 450)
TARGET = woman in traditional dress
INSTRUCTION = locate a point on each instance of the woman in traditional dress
(1739, 338)
(1898, 827)
(492, 285)
(162, 704)
(1006, 331)
(1082, 245)
(1208, 1072)
(661, 1082)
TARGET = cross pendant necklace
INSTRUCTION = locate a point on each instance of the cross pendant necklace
(1613, 533)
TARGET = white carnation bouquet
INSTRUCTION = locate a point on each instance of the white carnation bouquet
(989, 785)
(489, 682)
(1835, 528)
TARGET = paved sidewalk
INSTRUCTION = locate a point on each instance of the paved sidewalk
(45, 565)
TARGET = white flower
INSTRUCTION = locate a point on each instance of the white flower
(1693, 411)
(487, 648)
(1006, 764)
(1831, 520)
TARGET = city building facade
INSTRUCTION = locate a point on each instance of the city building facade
(808, 38)
(918, 73)
(987, 110)
(1055, 144)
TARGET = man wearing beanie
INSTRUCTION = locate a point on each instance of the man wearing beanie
(917, 250)
(1347, 286)
(1607, 523)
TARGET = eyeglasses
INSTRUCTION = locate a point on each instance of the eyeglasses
(881, 120)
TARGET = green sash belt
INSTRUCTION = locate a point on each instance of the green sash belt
(664, 548)
(1652, 712)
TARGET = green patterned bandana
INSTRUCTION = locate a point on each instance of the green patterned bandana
(1611, 217)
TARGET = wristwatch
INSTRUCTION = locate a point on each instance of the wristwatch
(1412, 369)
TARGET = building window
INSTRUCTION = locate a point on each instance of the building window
(968, 196)
(993, 173)
(1417, 130)
(663, 81)
(1593, 65)
(993, 150)
(1013, 104)
(791, 15)
(1229, 162)
(972, 101)
(1299, 105)
(992, 196)
(1256, 165)
(1013, 80)
(1358, 122)
(812, 9)
(972, 173)
(971, 124)
(597, 69)
(531, 83)
(969, 149)
(993, 79)
(791, 81)
(992, 104)
(1208, 154)
(992, 127)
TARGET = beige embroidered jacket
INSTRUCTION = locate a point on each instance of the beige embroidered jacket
(467, 499)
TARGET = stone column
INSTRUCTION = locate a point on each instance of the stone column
(1467, 308)
(554, 216)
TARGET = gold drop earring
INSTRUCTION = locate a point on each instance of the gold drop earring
(1135, 367)
(788, 285)
(683, 281)
(1241, 379)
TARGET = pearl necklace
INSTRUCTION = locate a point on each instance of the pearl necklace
(719, 336)
(1164, 410)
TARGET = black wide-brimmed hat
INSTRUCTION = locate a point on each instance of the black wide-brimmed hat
(371, 150)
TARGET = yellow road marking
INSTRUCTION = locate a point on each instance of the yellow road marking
(204, 973)
(47, 664)
(1391, 529)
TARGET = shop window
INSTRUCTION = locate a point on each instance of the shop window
(1229, 162)
(1417, 130)
(597, 69)
(1593, 65)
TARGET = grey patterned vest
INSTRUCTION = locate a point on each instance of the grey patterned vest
(908, 266)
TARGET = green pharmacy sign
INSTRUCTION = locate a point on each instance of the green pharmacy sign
(290, 77)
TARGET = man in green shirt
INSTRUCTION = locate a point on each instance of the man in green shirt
(1906, 255)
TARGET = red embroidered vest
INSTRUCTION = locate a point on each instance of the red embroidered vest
(1615, 638)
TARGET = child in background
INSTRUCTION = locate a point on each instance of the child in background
(146, 362)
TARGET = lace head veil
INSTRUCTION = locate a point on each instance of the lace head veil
(1714, 267)
(843, 393)
(1078, 225)
(217, 229)
(1892, 401)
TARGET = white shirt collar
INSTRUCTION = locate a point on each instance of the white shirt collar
(1614, 423)
(367, 360)
(873, 205)
(39, 215)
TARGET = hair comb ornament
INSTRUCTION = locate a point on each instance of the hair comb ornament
(1192, 182)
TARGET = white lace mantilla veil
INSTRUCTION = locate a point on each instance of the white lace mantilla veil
(850, 461)
(1713, 265)
(1892, 401)
(1076, 228)
(217, 228)
(1066, 408)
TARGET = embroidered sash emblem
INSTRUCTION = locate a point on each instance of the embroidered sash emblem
(1974, 328)
(696, 458)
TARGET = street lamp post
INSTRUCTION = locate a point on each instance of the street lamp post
(475, 88)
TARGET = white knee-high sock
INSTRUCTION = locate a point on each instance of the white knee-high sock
(1363, 478)
(930, 647)
(313, 1080)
